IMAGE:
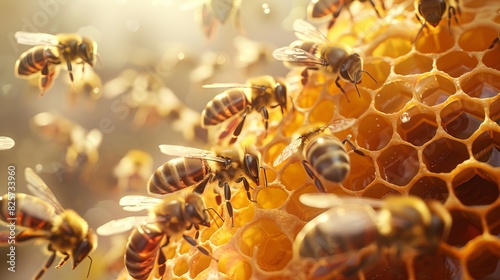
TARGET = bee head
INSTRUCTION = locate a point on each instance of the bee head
(432, 11)
(88, 50)
(84, 248)
(195, 210)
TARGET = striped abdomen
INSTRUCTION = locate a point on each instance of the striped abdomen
(177, 174)
(142, 248)
(224, 106)
(33, 60)
(31, 212)
(328, 157)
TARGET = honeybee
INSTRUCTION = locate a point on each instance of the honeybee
(316, 52)
(6, 143)
(323, 154)
(41, 216)
(133, 170)
(356, 232)
(322, 8)
(49, 52)
(167, 218)
(196, 167)
(432, 11)
(266, 91)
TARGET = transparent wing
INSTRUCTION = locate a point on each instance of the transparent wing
(122, 225)
(222, 9)
(34, 39)
(288, 151)
(339, 125)
(307, 32)
(321, 200)
(187, 152)
(6, 143)
(225, 85)
(38, 188)
(297, 55)
(138, 202)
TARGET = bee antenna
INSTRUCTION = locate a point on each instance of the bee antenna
(212, 217)
(90, 266)
(370, 75)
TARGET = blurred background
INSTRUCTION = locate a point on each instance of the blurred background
(162, 47)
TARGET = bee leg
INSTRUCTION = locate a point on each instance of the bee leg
(375, 8)
(340, 87)
(238, 129)
(70, 70)
(227, 198)
(452, 11)
(265, 115)
(497, 39)
(193, 243)
(313, 176)
(162, 260)
(356, 150)
(247, 187)
(200, 188)
(304, 75)
(63, 261)
(46, 78)
(47, 264)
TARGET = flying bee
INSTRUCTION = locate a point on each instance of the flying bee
(323, 154)
(356, 232)
(6, 143)
(196, 167)
(432, 11)
(41, 216)
(133, 170)
(316, 52)
(266, 91)
(83, 153)
(49, 52)
(322, 8)
(169, 217)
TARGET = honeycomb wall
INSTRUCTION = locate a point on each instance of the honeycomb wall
(429, 126)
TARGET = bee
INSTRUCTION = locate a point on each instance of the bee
(322, 8)
(266, 91)
(169, 217)
(432, 11)
(6, 143)
(316, 52)
(355, 232)
(323, 154)
(196, 167)
(41, 216)
(49, 52)
(133, 170)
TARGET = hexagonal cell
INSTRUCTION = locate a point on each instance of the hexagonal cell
(443, 155)
(379, 191)
(393, 47)
(180, 267)
(465, 227)
(393, 96)
(379, 69)
(309, 95)
(374, 132)
(490, 58)
(462, 118)
(322, 112)
(436, 40)
(199, 263)
(477, 38)
(481, 85)
(292, 122)
(356, 106)
(474, 186)
(417, 125)
(414, 64)
(362, 172)
(275, 248)
(434, 90)
(493, 220)
(270, 197)
(486, 148)
(398, 164)
(430, 188)
(484, 261)
(233, 268)
(495, 111)
(294, 176)
(456, 63)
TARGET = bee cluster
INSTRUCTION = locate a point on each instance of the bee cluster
(377, 156)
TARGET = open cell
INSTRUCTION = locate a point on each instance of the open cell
(430, 188)
(291, 123)
(271, 198)
(417, 125)
(481, 85)
(462, 118)
(393, 97)
(477, 38)
(393, 47)
(322, 112)
(434, 90)
(379, 191)
(443, 155)
(483, 262)
(436, 40)
(465, 227)
(355, 106)
(486, 148)
(398, 164)
(456, 63)
(380, 70)
(374, 132)
(475, 186)
(294, 176)
(362, 173)
(414, 64)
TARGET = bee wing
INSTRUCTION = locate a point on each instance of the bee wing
(38, 188)
(35, 39)
(222, 8)
(138, 202)
(321, 200)
(297, 55)
(122, 225)
(288, 151)
(339, 125)
(6, 143)
(208, 21)
(225, 85)
(307, 32)
(187, 152)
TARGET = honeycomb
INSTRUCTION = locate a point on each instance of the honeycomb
(428, 125)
